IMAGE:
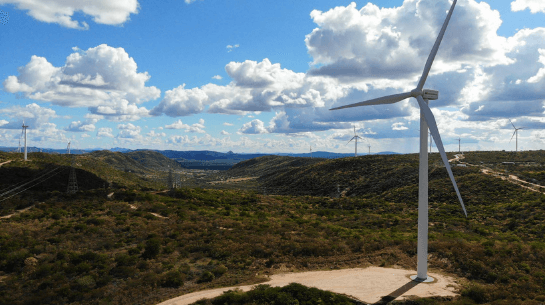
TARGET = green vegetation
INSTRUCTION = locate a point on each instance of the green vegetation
(141, 246)
(294, 294)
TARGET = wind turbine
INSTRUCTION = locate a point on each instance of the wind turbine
(459, 150)
(516, 132)
(311, 151)
(68, 148)
(427, 120)
(355, 137)
(24, 131)
(369, 148)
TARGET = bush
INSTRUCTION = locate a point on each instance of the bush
(173, 279)
(207, 276)
(153, 248)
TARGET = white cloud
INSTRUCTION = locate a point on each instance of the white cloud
(393, 43)
(232, 47)
(399, 126)
(33, 115)
(177, 125)
(61, 12)
(227, 124)
(535, 6)
(103, 78)
(224, 133)
(218, 77)
(129, 131)
(154, 134)
(253, 127)
(255, 87)
(78, 126)
(105, 132)
(181, 102)
(197, 127)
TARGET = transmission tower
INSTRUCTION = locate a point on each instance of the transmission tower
(72, 182)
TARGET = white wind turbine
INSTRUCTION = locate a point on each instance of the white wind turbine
(427, 120)
(355, 137)
(24, 131)
(516, 132)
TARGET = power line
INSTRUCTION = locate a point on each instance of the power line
(32, 185)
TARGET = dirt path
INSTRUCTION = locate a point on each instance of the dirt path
(18, 211)
(368, 285)
(510, 178)
(515, 180)
(232, 180)
(5, 162)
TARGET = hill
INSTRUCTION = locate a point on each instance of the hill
(142, 247)
(140, 162)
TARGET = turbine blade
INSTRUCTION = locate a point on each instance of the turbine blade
(512, 124)
(350, 140)
(432, 125)
(390, 99)
(435, 48)
(513, 135)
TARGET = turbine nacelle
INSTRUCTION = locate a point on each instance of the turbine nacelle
(427, 94)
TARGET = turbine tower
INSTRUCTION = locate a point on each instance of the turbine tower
(24, 131)
(68, 148)
(427, 120)
(459, 150)
(515, 134)
(356, 146)
(369, 148)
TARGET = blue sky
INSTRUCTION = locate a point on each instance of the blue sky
(260, 76)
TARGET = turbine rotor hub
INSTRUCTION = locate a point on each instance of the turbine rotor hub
(416, 92)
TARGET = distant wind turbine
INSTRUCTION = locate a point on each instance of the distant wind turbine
(24, 131)
(427, 120)
(459, 150)
(356, 146)
(516, 135)
(369, 148)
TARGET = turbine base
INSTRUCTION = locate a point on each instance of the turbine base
(429, 279)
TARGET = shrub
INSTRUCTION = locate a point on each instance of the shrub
(207, 276)
(173, 279)
(153, 248)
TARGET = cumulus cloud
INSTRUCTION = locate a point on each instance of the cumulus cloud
(253, 127)
(129, 131)
(227, 124)
(154, 134)
(256, 87)
(224, 133)
(105, 132)
(61, 12)
(103, 78)
(374, 43)
(78, 126)
(535, 6)
(197, 127)
(33, 115)
(218, 77)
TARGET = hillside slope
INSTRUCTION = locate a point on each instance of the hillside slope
(140, 162)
